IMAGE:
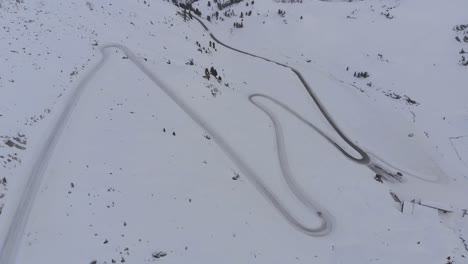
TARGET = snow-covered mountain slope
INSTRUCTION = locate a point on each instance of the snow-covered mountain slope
(130, 134)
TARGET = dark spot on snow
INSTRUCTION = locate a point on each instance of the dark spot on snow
(405, 97)
(12, 144)
(378, 178)
(159, 254)
(411, 101)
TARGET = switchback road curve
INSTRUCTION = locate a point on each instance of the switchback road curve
(378, 165)
(20, 218)
(19, 221)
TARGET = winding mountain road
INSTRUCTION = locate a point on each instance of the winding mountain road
(19, 221)
(364, 157)
(378, 165)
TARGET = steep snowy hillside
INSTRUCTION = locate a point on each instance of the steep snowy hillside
(233, 131)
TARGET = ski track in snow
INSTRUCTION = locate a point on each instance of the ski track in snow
(19, 221)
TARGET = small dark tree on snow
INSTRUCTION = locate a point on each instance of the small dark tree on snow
(209, 3)
(207, 74)
(361, 74)
(214, 47)
(208, 18)
(213, 71)
(242, 15)
(238, 25)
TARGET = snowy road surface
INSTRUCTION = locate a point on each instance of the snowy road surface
(20, 219)
(122, 174)
(372, 161)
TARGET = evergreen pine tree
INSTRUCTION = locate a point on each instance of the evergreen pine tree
(213, 71)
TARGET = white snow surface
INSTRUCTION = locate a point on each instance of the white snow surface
(135, 156)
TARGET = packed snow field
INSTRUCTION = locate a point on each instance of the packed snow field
(233, 131)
